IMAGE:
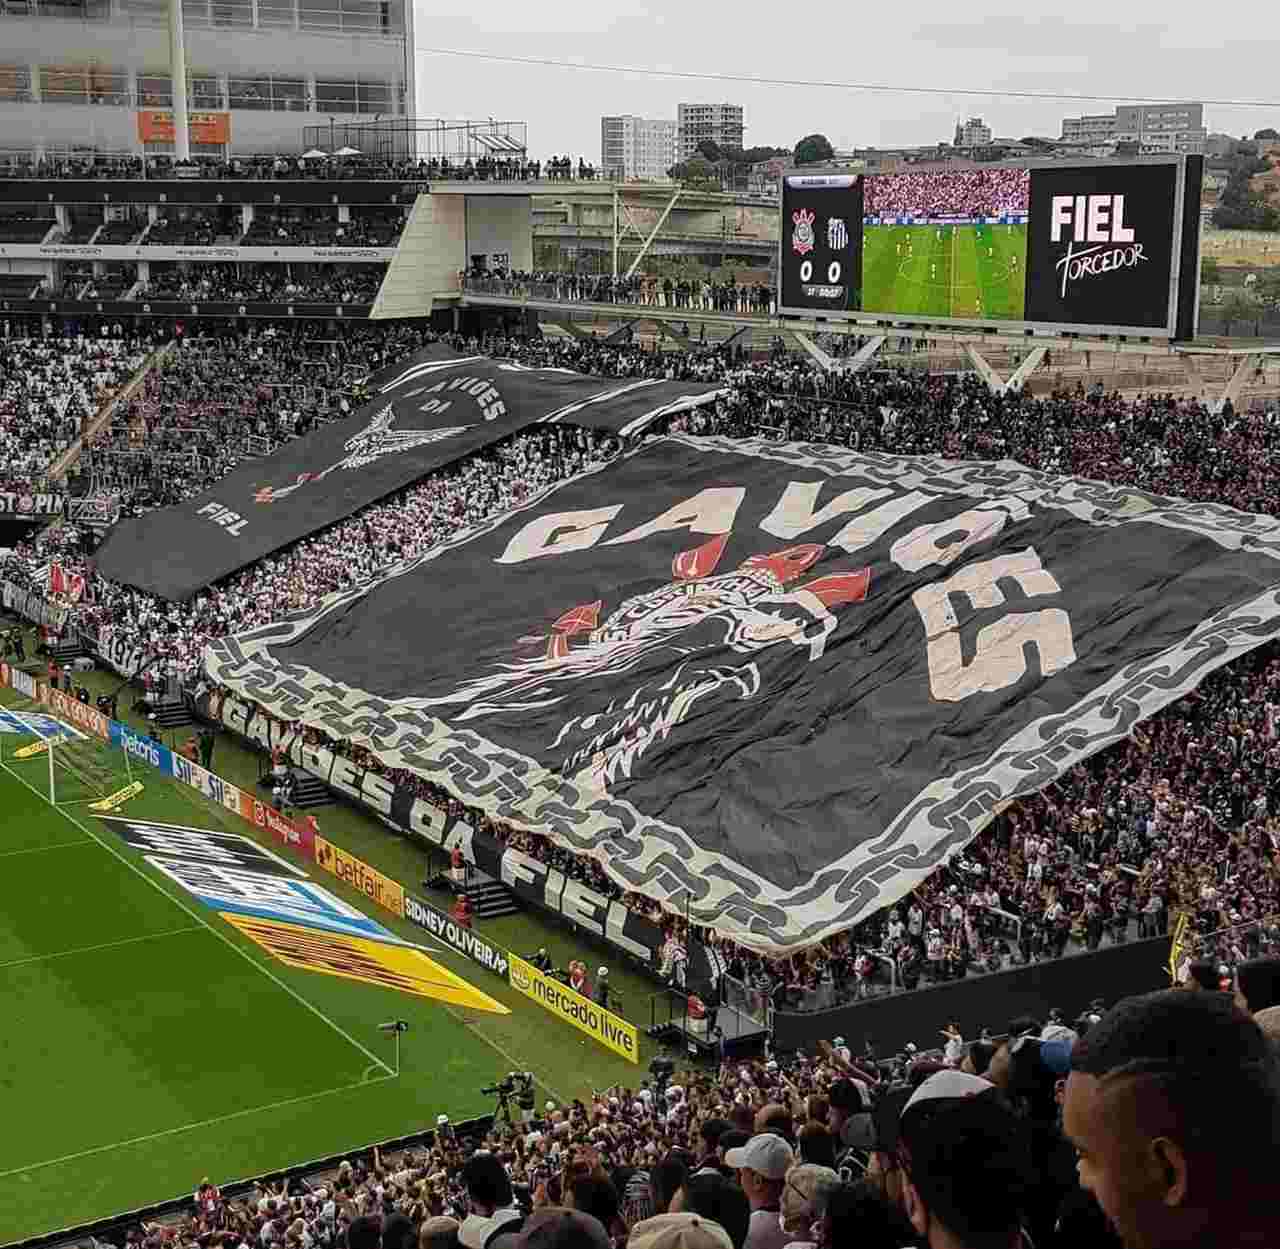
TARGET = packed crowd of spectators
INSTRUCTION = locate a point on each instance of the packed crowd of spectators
(743, 299)
(49, 387)
(191, 422)
(1152, 1125)
(292, 230)
(328, 284)
(1181, 818)
(327, 167)
(190, 228)
(949, 194)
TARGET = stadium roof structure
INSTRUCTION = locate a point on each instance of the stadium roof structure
(422, 138)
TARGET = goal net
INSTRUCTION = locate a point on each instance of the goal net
(60, 763)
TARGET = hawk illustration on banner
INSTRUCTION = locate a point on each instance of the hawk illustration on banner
(699, 613)
(774, 686)
(371, 443)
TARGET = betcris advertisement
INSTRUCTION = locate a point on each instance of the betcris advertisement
(142, 748)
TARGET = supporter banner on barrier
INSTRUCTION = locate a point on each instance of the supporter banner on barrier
(775, 685)
(23, 682)
(33, 606)
(359, 875)
(439, 407)
(33, 505)
(122, 651)
(465, 940)
(532, 881)
(610, 1030)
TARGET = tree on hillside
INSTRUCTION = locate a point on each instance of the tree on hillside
(1268, 134)
(1240, 206)
(710, 150)
(754, 155)
(813, 148)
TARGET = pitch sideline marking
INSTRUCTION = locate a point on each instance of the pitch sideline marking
(470, 1027)
(89, 949)
(178, 902)
(62, 845)
(190, 1127)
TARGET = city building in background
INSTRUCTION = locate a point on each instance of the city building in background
(638, 147)
(1141, 128)
(96, 74)
(973, 133)
(722, 123)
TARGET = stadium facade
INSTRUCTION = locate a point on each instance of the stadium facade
(96, 74)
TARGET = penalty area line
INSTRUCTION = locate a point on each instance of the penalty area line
(204, 923)
(191, 1127)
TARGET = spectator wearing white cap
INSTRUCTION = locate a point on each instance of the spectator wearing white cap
(678, 1231)
(762, 1165)
(962, 1158)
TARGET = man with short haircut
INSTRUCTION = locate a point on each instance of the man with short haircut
(960, 1158)
(1173, 1103)
(762, 1165)
(494, 1219)
(556, 1227)
(711, 1131)
(710, 1195)
(438, 1233)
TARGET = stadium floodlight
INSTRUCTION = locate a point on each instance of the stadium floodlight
(396, 1028)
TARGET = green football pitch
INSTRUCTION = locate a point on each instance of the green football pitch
(145, 1043)
(969, 271)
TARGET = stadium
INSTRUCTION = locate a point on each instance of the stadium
(498, 753)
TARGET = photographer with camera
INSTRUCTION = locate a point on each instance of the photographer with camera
(515, 1083)
(600, 995)
(542, 961)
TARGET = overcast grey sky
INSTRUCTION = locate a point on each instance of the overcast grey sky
(1142, 47)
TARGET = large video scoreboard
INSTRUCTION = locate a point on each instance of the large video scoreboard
(1101, 246)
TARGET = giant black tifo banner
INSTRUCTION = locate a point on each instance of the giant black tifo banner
(428, 414)
(532, 881)
(774, 684)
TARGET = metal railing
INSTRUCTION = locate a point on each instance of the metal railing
(587, 289)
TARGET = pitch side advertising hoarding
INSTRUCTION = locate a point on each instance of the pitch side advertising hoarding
(1093, 247)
